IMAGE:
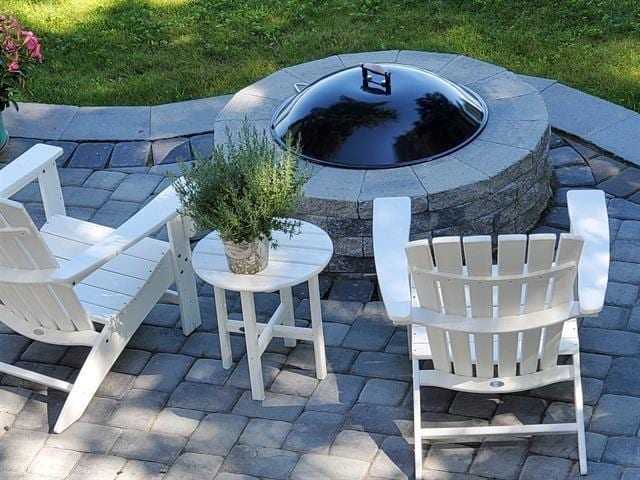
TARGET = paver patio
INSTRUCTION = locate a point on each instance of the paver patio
(169, 411)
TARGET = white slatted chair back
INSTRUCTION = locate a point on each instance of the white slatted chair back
(482, 311)
(38, 306)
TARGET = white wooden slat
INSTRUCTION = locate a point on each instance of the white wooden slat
(64, 249)
(539, 259)
(280, 254)
(114, 282)
(569, 250)
(99, 314)
(551, 346)
(448, 257)
(418, 255)
(507, 354)
(87, 234)
(589, 219)
(439, 349)
(275, 268)
(26, 168)
(391, 227)
(103, 298)
(307, 240)
(478, 260)
(511, 254)
(483, 345)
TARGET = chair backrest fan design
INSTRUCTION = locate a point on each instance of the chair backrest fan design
(37, 304)
(483, 328)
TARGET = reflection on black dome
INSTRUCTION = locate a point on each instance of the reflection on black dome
(343, 123)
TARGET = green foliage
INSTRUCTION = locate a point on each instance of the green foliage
(142, 52)
(246, 190)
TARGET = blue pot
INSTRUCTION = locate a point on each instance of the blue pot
(4, 135)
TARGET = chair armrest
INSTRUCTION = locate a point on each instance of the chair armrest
(391, 227)
(37, 163)
(159, 211)
(589, 219)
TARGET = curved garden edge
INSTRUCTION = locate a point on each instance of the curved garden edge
(608, 126)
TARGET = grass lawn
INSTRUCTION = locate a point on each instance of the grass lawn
(134, 52)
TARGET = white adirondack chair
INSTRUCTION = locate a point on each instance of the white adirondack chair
(57, 283)
(493, 328)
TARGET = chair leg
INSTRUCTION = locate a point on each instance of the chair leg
(417, 420)
(223, 332)
(316, 325)
(100, 360)
(577, 392)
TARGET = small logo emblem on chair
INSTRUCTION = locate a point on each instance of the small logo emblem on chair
(496, 384)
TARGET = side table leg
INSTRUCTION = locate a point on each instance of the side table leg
(251, 338)
(316, 325)
(223, 332)
(286, 298)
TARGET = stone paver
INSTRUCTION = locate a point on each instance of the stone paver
(169, 410)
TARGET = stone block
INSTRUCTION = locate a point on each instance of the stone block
(621, 294)
(216, 434)
(99, 410)
(610, 317)
(39, 120)
(368, 333)
(130, 154)
(204, 344)
(149, 446)
(313, 432)
(610, 342)
(557, 217)
(623, 184)
(499, 460)
(68, 149)
(114, 213)
(85, 437)
(186, 118)
(466, 70)
(108, 123)
(158, 339)
(271, 364)
(172, 150)
(382, 419)
(18, 448)
(164, 372)
(260, 462)
(502, 85)
(357, 445)
(177, 421)
(604, 168)
(617, 138)
(394, 459)
(323, 466)
(311, 71)
(276, 406)
(346, 290)
(73, 177)
(336, 393)
(432, 61)
(204, 397)
(580, 114)
(383, 392)
(12, 400)
(207, 370)
(565, 157)
(623, 209)
(194, 466)
(474, 405)
(295, 382)
(382, 365)
(623, 451)
(131, 361)
(54, 462)
(622, 379)
(44, 353)
(91, 155)
(202, 146)
(616, 415)
(339, 360)
(105, 180)
(138, 409)
(595, 366)
(97, 467)
(334, 311)
(136, 188)
(577, 176)
(84, 197)
(265, 433)
(545, 467)
(136, 469)
(449, 457)
(625, 251)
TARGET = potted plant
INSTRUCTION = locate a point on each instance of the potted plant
(19, 51)
(245, 191)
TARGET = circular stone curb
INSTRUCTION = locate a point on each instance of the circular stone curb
(499, 183)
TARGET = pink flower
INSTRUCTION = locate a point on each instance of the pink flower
(14, 66)
(33, 45)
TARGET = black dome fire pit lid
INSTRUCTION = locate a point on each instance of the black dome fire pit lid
(380, 116)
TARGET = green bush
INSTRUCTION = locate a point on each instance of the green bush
(245, 190)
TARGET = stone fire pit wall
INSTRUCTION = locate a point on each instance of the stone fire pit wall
(499, 183)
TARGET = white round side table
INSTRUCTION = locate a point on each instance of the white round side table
(296, 260)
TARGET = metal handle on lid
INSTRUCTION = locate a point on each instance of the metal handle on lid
(378, 70)
(300, 86)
